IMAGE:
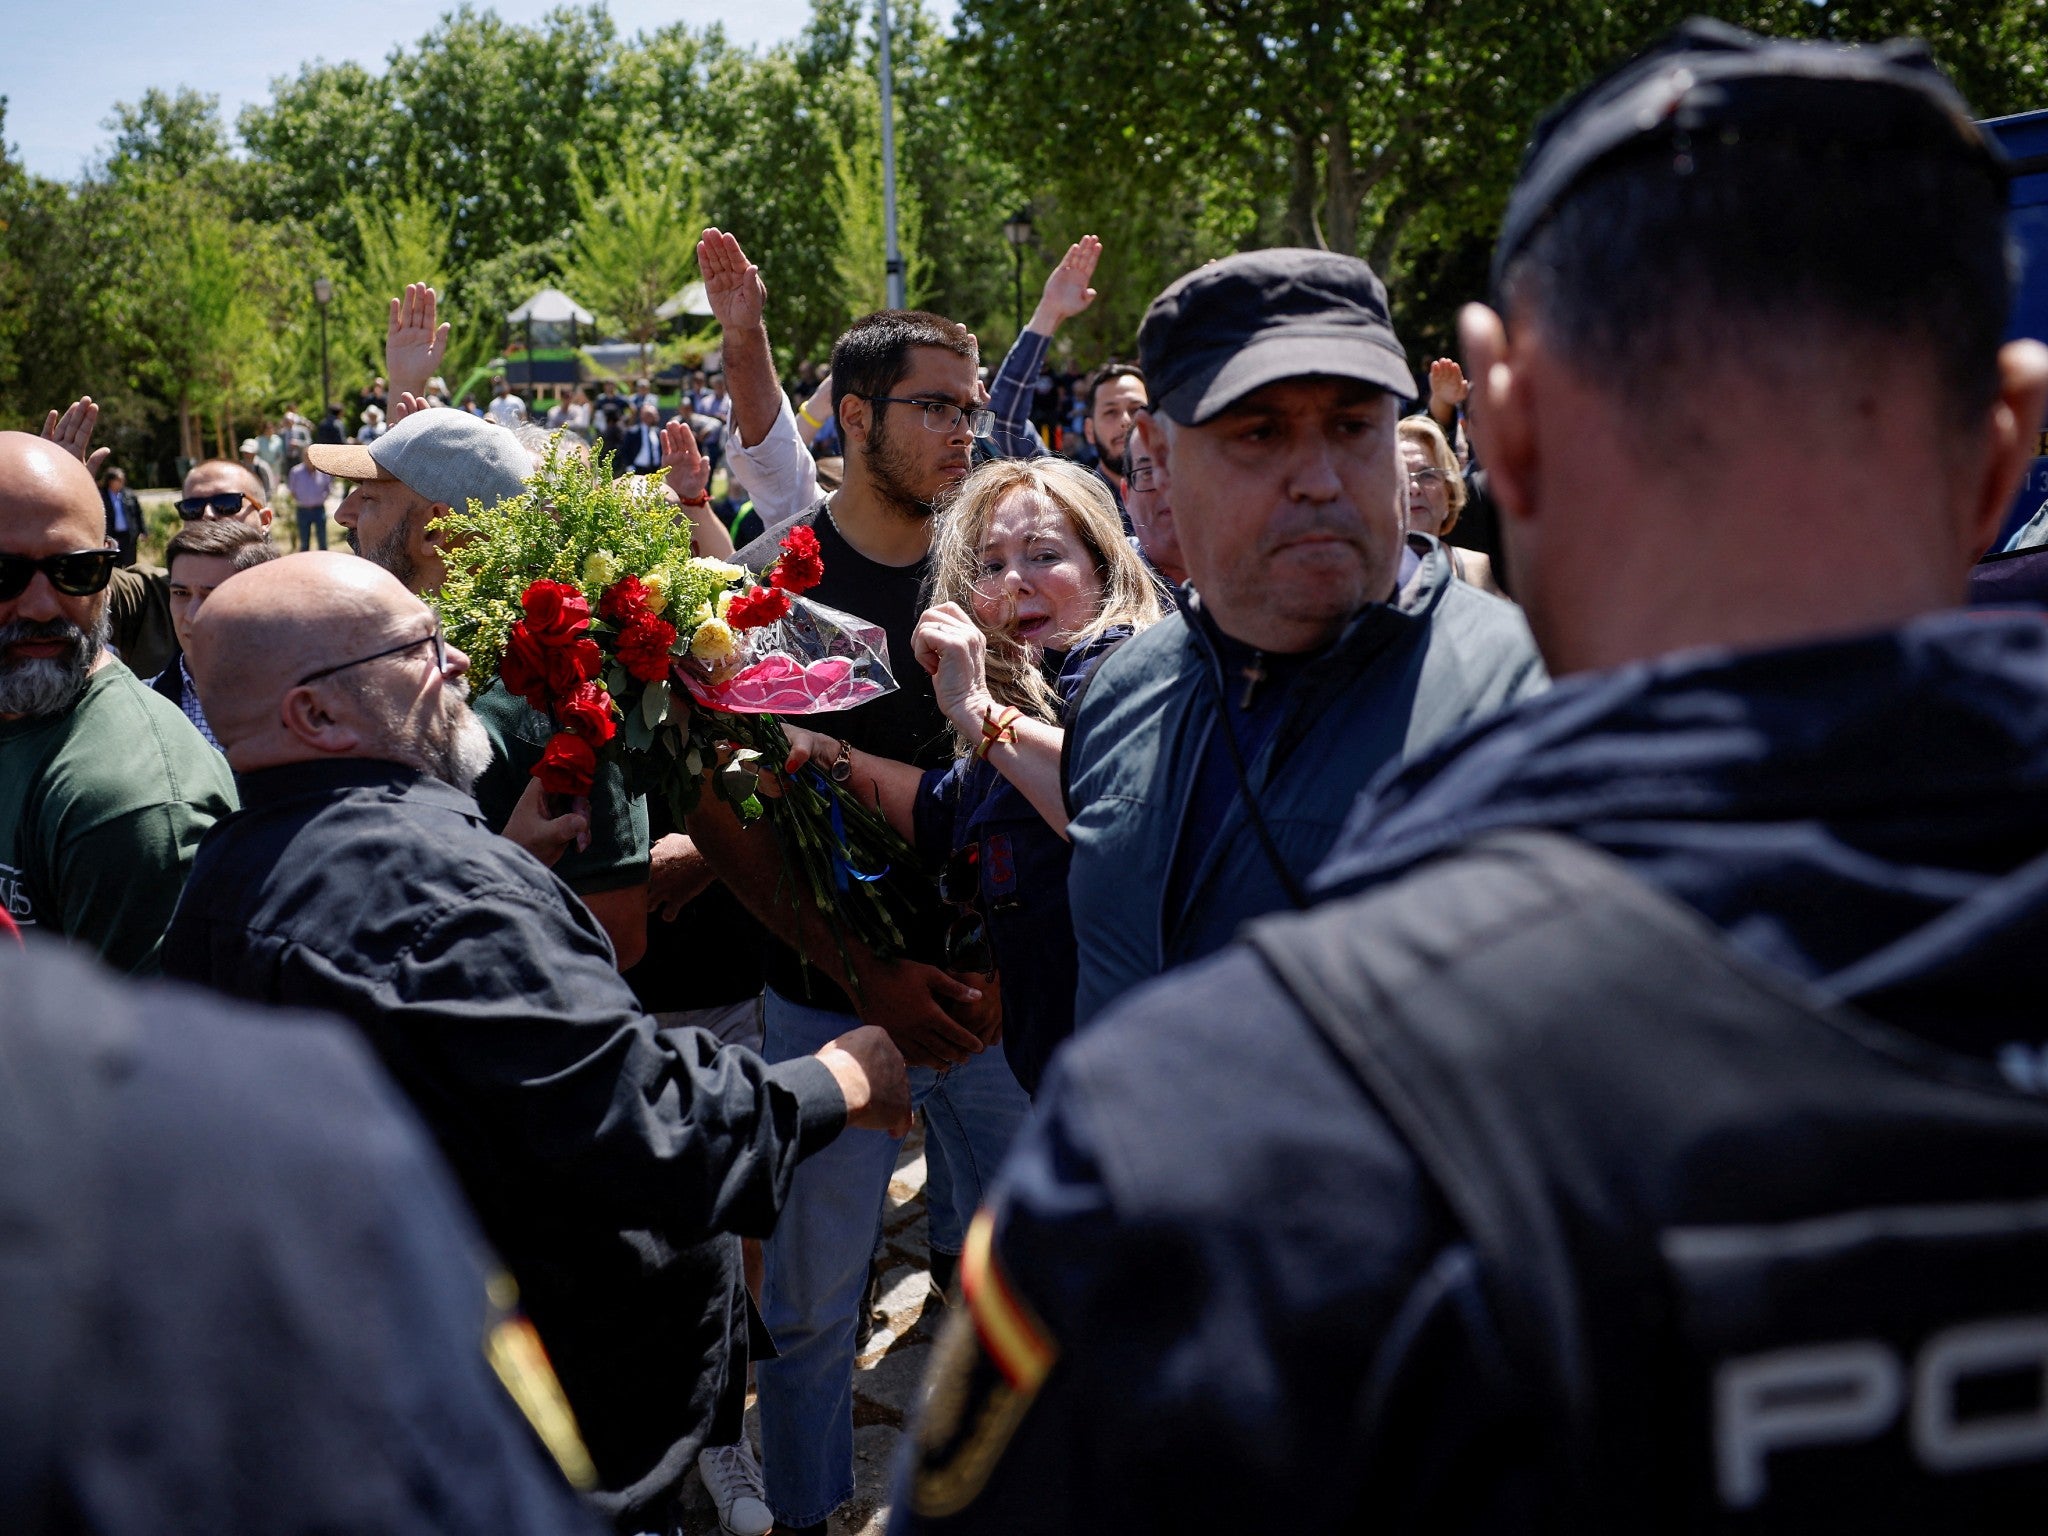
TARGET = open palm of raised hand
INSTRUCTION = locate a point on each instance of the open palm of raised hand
(732, 284)
(1066, 291)
(689, 472)
(73, 433)
(414, 344)
(1447, 382)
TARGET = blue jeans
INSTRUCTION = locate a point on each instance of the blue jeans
(817, 1261)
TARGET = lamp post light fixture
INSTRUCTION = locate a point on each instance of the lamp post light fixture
(1017, 230)
(323, 295)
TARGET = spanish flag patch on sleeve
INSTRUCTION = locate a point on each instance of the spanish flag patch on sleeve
(992, 1357)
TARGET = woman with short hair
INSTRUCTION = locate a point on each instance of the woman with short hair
(1437, 494)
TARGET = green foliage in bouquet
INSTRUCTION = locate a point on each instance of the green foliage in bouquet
(573, 526)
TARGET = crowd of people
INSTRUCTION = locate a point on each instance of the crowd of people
(1468, 964)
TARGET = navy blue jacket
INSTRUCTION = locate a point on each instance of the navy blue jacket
(601, 1154)
(1227, 1250)
(238, 1289)
(1022, 866)
(1402, 676)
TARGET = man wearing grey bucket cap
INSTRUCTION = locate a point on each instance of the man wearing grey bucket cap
(1214, 758)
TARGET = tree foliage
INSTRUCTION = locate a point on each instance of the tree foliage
(173, 281)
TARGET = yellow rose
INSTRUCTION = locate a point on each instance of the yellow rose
(719, 568)
(713, 641)
(601, 569)
(656, 586)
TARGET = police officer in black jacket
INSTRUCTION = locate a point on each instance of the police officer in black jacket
(604, 1157)
(1646, 1133)
(238, 1290)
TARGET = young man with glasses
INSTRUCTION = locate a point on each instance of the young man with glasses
(906, 394)
(105, 788)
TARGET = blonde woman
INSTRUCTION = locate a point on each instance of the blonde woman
(1436, 495)
(1033, 583)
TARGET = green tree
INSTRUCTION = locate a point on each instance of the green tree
(634, 246)
(861, 259)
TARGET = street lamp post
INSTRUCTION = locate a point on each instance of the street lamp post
(323, 295)
(1017, 230)
(893, 254)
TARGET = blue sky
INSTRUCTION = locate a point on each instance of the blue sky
(65, 69)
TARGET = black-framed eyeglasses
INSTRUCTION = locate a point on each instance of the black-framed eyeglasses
(225, 504)
(436, 639)
(944, 415)
(1427, 477)
(1143, 478)
(81, 573)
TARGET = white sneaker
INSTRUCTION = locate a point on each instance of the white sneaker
(733, 1478)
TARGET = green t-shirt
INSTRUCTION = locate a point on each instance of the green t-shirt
(617, 855)
(101, 810)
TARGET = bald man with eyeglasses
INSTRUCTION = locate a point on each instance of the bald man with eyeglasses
(105, 787)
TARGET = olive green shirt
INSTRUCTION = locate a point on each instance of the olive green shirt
(139, 618)
(101, 810)
(618, 853)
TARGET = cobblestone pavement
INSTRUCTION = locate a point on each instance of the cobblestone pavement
(886, 1377)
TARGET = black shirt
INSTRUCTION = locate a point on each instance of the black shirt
(905, 725)
(599, 1152)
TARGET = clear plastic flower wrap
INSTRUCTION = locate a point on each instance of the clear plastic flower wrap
(813, 660)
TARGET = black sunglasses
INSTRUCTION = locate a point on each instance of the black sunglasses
(436, 639)
(78, 574)
(226, 504)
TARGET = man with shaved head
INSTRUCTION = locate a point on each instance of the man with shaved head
(105, 787)
(605, 1157)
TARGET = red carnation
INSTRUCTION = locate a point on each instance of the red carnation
(524, 667)
(757, 606)
(644, 647)
(801, 567)
(587, 712)
(623, 601)
(567, 767)
(569, 666)
(554, 611)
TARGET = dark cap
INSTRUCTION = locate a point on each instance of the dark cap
(1250, 320)
(1707, 80)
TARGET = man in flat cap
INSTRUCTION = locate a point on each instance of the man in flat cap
(1214, 758)
(1645, 1133)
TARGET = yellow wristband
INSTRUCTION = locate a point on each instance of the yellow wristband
(804, 411)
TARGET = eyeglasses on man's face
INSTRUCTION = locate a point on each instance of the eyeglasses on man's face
(224, 504)
(944, 415)
(81, 573)
(1142, 477)
(437, 640)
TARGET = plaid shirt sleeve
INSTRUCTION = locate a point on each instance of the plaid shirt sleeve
(1009, 396)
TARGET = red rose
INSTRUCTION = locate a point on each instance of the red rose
(587, 712)
(623, 601)
(554, 611)
(757, 606)
(569, 666)
(567, 767)
(644, 647)
(524, 667)
(801, 567)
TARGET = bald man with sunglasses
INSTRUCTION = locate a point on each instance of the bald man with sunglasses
(105, 787)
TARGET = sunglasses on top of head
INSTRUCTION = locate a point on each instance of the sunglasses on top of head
(224, 504)
(78, 574)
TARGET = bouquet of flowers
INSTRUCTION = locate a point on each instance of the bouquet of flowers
(583, 598)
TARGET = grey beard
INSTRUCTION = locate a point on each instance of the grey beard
(453, 748)
(48, 687)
